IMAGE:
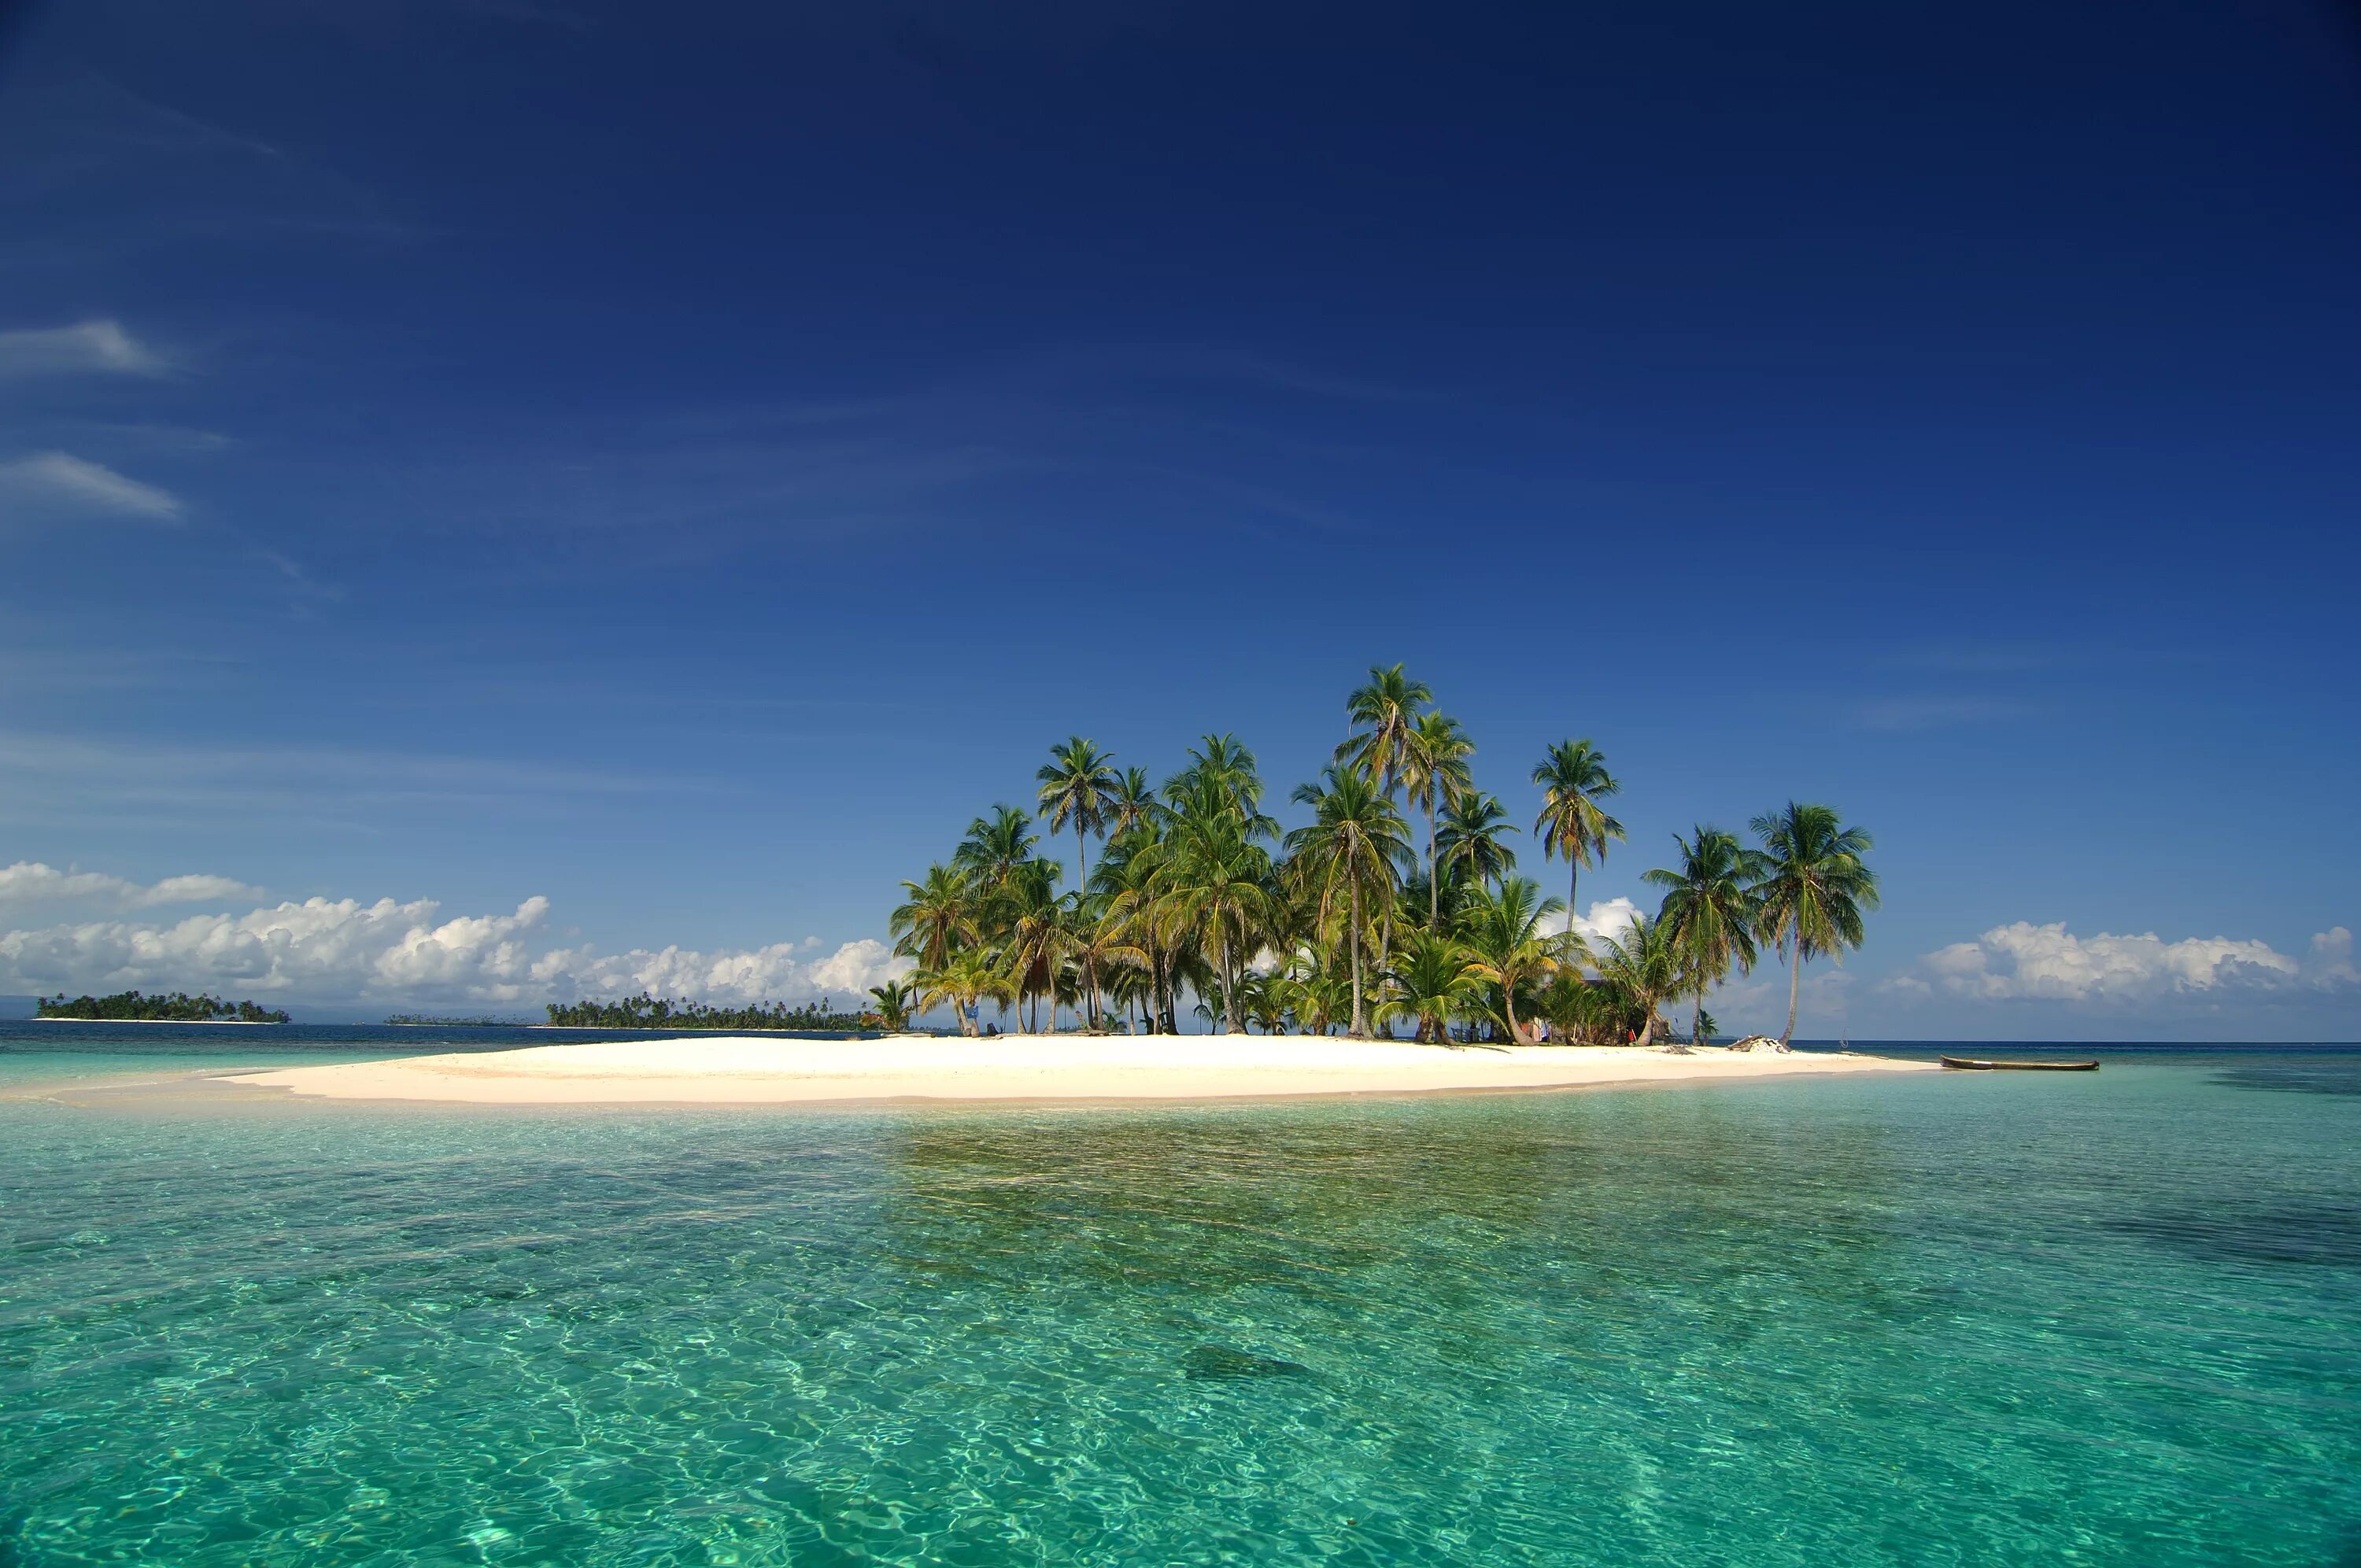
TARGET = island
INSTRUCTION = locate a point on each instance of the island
(645, 1011)
(135, 1007)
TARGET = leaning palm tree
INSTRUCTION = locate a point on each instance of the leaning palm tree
(1574, 780)
(967, 979)
(1349, 862)
(1383, 713)
(938, 916)
(1813, 889)
(1709, 909)
(1433, 980)
(1436, 769)
(1078, 786)
(1503, 931)
(1640, 968)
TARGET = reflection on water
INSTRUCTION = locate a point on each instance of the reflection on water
(1910, 1321)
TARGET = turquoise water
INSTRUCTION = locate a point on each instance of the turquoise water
(1950, 1318)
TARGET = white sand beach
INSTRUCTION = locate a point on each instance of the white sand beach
(744, 1071)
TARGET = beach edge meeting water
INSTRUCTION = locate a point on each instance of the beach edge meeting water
(747, 1070)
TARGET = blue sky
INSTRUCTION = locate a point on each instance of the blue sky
(679, 467)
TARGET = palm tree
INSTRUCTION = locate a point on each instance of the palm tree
(1432, 979)
(1354, 846)
(1574, 780)
(1813, 889)
(1036, 934)
(1503, 931)
(938, 916)
(1131, 806)
(1709, 907)
(1098, 941)
(966, 979)
(1469, 843)
(1384, 712)
(894, 999)
(1436, 768)
(1078, 786)
(995, 847)
(1214, 888)
(1642, 968)
(1221, 774)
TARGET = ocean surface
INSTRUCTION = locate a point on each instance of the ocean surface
(1955, 1319)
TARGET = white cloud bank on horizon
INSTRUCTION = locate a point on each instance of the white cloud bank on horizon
(62, 478)
(30, 884)
(341, 949)
(1608, 917)
(99, 345)
(2028, 962)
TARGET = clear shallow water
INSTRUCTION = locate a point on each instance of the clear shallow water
(1958, 1319)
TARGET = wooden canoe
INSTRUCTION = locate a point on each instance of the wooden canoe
(1971, 1064)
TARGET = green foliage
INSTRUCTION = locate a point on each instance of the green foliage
(180, 1007)
(1339, 925)
(416, 1020)
(645, 1011)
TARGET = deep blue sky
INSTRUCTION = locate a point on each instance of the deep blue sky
(683, 462)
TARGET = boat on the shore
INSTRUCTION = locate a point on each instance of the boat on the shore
(1972, 1064)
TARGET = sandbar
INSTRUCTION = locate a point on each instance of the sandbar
(748, 1071)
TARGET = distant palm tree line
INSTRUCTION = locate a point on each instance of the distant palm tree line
(1346, 922)
(178, 1007)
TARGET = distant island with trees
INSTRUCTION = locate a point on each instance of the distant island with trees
(645, 1011)
(421, 1021)
(180, 1007)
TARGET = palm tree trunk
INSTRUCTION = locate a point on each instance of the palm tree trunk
(1795, 984)
(1433, 888)
(1509, 1005)
(1360, 1028)
(1696, 1020)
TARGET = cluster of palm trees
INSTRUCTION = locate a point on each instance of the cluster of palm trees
(1343, 922)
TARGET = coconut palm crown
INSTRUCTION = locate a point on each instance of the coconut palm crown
(1813, 891)
(1573, 825)
(1709, 910)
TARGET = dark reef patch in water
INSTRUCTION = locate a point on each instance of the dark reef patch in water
(1222, 1362)
(2310, 1077)
(2328, 1234)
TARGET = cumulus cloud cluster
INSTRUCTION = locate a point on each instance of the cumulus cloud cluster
(2024, 962)
(30, 884)
(408, 953)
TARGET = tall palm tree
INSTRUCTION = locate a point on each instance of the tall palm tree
(938, 916)
(1469, 843)
(1503, 931)
(1435, 768)
(1076, 786)
(1813, 889)
(1099, 942)
(1385, 715)
(1709, 909)
(1574, 780)
(1356, 846)
(1433, 980)
(1642, 968)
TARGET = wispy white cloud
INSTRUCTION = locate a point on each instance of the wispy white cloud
(60, 478)
(30, 884)
(2028, 962)
(98, 347)
(343, 950)
(1608, 917)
